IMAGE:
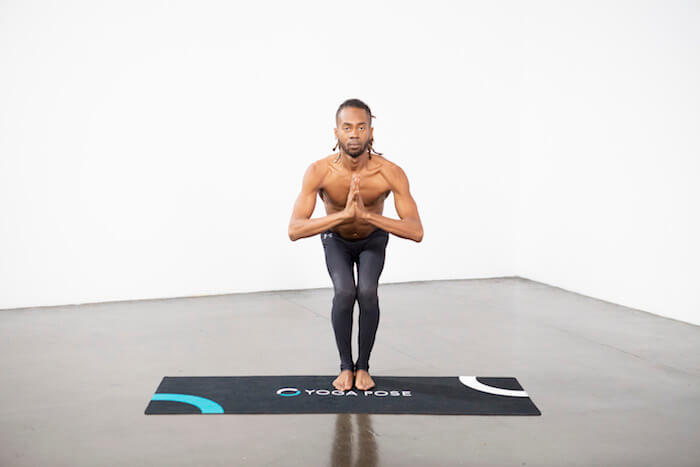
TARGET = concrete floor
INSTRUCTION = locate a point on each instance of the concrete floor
(616, 386)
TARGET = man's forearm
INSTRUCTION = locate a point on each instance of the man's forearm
(405, 228)
(308, 227)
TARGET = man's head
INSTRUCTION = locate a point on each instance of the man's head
(353, 127)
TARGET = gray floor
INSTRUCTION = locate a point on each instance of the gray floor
(616, 386)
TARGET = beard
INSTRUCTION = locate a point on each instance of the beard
(356, 152)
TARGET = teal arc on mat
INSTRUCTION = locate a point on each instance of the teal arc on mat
(202, 403)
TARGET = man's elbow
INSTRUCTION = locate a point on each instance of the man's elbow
(419, 231)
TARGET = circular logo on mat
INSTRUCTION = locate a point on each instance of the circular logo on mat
(281, 392)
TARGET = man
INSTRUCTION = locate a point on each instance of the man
(353, 185)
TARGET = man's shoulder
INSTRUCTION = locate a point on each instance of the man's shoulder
(321, 166)
(391, 171)
(386, 163)
(318, 169)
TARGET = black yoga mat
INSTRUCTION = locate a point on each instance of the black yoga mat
(440, 395)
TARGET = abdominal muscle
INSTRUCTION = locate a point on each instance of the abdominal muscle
(353, 230)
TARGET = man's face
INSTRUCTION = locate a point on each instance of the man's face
(353, 131)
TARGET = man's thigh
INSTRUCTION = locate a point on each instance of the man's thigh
(371, 261)
(339, 263)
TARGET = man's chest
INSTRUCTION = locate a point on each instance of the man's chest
(374, 188)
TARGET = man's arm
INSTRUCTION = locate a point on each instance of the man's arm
(410, 225)
(301, 225)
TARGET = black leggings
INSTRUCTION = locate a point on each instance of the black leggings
(341, 256)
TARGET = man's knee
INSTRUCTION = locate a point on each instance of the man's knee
(367, 295)
(345, 296)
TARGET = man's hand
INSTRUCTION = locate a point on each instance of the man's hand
(350, 210)
(354, 206)
(360, 210)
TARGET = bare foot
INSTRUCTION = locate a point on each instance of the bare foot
(363, 380)
(344, 380)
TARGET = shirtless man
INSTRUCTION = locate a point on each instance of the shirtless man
(353, 185)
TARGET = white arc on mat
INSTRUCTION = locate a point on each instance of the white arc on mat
(472, 382)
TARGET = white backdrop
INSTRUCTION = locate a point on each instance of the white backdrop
(155, 149)
(609, 154)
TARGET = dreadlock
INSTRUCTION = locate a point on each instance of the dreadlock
(358, 104)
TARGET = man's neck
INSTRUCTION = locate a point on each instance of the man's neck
(355, 164)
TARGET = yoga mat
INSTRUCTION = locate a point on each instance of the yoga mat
(438, 395)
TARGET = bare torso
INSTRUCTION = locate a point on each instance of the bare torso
(374, 189)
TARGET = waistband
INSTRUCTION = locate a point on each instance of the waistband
(330, 233)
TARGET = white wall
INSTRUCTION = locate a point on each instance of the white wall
(153, 149)
(609, 192)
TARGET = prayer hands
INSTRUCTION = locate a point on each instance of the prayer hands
(354, 206)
